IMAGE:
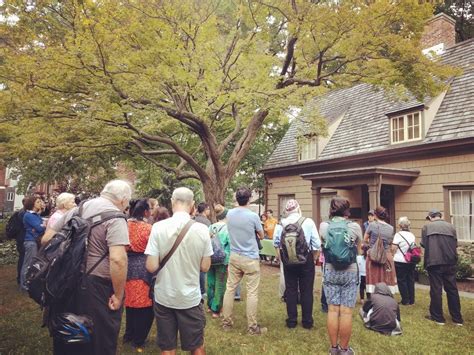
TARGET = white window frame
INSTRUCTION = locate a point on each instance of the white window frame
(405, 127)
(10, 196)
(308, 149)
(470, 217)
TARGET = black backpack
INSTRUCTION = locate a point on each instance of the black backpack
(15, 229)
(57, 270)
(293, 247)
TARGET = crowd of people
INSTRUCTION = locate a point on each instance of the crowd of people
(157, 263)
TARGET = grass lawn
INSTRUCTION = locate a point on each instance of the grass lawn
(20, 331)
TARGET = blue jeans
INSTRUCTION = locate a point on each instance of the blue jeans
(31, 249)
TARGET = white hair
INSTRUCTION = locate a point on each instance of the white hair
(63, 198)
(117, 190)
(183, 194)
(404, 222)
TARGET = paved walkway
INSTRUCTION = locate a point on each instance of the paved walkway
(461, 293)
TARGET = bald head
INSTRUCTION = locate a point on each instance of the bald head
(182, 199)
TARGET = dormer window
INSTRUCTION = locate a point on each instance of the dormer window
(405, 128)
(308, 148)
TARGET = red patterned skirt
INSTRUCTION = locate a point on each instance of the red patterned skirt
(376, 273)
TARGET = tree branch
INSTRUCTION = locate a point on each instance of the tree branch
(290, 51)
(233, 134)
(243, 145)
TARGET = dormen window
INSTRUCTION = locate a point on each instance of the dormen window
(405, 128)
(308, 148)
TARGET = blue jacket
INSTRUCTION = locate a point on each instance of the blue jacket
(33, 226)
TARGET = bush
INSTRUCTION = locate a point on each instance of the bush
(420, 269)
(8, 253)
(3, 224)
(463, 268)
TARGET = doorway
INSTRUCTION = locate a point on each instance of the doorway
(387, 200)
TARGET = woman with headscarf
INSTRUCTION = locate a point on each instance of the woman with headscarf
(139, 306)
(217, 274)
(381, 312)
(375, 271)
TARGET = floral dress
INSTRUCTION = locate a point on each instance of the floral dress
(137, 291)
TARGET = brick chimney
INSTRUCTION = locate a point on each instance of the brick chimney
(439, 34)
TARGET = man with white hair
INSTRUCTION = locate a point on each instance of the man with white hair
(177, 298)
(102, 290)
(300, 277)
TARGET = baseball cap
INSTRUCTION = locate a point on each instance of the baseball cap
(433, 212)
(372, 212)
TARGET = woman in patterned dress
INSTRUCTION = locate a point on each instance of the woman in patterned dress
(375, 272)
(139, 306)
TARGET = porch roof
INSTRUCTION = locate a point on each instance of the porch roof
(363, 176)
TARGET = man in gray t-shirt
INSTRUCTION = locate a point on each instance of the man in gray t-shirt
(101, 293)
(244, 226)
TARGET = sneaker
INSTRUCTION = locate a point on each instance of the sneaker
(458, 324)
(348, 351)
(431, 319)
(258, 330)
(334, 351)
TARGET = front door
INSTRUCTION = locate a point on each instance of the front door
(387, 200)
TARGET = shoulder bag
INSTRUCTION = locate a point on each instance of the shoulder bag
(377, 252)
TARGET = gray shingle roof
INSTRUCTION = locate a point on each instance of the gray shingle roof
(365, 126)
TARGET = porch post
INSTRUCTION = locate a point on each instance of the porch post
(316, 194)
(374, 195)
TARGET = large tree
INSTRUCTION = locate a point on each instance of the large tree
(187, 85)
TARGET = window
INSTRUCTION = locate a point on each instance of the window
(462, 215)
(10, 196)
(308, 148)
(406, 128)
(282, 200)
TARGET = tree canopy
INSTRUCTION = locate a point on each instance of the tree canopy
(187, 85)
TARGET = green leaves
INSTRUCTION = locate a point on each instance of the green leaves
(204, 79)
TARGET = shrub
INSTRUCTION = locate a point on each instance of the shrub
(463, 268)
(3, 224)
(8, 253)
(420, 268)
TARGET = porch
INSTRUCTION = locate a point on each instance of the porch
(377, 187)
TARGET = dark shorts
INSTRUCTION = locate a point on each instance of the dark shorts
(189, 323)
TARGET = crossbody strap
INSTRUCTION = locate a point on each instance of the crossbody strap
(105, 216)
(398, 245)
(178, 241)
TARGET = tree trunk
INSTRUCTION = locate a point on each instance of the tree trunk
(214, 193)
